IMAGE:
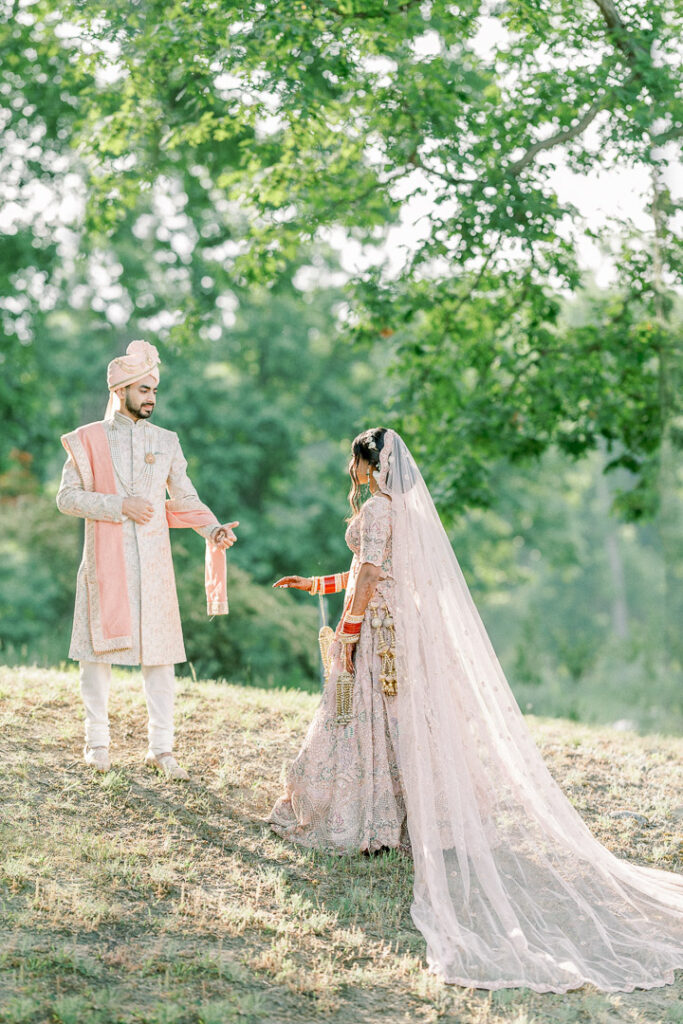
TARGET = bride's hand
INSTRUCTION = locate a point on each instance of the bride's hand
(349, 650)
(294, 583)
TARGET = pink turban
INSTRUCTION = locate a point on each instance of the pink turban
(141, 360)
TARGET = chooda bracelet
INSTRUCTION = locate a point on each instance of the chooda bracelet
(349, 631)
(329, 584)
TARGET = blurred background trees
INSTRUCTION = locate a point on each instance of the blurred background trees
(198, 175)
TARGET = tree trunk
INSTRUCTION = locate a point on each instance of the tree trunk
(620, 616)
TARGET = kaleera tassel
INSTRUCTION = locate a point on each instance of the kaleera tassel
(383, 624)
(344, 697)
(325, 640)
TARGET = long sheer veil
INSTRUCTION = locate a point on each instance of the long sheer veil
(511, 889)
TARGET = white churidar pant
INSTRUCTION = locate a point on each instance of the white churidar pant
(159, 686)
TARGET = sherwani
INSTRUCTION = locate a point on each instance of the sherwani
(156, 630)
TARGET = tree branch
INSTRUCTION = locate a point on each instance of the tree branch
(429, 366)
(617, 29)
(369, 15)
(632, 50)
(676, 132)
(564, 135)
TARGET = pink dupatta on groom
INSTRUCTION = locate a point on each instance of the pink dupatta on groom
(108, 605)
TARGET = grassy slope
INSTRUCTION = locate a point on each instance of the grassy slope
(128, 898)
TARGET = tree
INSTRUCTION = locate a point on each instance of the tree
(346, 112)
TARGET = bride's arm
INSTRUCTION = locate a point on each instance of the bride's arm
(348, 630)
(369, 576)
(329, 584)
(315, 584)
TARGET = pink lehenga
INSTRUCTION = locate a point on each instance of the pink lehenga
(343, 792)
(510, 888)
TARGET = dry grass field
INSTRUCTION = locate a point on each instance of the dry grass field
(126, 899)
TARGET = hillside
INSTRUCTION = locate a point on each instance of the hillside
(129, 899)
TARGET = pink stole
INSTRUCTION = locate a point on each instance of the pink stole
(105, 566)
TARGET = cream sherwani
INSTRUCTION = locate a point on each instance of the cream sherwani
(156, 630)
(148, 462)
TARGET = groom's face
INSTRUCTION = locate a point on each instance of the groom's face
(140, 398)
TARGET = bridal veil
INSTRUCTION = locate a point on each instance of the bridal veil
(511, 889)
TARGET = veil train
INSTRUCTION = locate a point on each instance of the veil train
(511, 889)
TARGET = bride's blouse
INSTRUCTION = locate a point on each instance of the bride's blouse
(368, 535)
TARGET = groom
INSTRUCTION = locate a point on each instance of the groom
(116, 477)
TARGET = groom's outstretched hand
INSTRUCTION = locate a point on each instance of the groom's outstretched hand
(294, 582)
(224, 536)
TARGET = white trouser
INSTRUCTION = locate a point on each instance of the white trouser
(159, 684)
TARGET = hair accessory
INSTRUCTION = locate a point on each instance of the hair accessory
(382, 479)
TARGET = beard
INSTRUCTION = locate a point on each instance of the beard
(142, 411)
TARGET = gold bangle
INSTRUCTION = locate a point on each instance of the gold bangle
(354, 618)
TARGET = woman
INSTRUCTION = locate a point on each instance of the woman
(511, 889)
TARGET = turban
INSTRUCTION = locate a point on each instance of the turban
(141, 360)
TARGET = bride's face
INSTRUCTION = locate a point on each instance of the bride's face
(362, 470)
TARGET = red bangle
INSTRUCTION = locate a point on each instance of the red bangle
(349, 630)
(329, 584)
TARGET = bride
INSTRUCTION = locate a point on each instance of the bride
(418, 744)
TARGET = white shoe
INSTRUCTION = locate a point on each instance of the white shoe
(97, 758)
(167, 764)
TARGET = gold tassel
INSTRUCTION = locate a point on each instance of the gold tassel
(325, 639)
(383, 623)
(345, 680)
(344, 698)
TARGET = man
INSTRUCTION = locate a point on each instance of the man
(116, 477)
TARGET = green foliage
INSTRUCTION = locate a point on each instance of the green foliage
(178, 171)
(268, 639)
(38, 565)
(317, 115)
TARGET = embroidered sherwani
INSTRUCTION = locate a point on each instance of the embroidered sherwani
(148, 463)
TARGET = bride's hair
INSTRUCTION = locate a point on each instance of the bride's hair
(366, 446)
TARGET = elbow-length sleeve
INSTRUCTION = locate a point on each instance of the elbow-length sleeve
(182, 492)
(74, 500)
(375, 530)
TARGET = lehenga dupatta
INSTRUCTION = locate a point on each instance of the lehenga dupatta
(511, 889)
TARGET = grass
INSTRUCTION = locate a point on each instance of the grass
(126, 899)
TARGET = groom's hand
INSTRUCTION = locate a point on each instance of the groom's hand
(224, 537)
(138, 509)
